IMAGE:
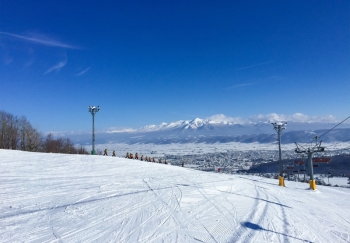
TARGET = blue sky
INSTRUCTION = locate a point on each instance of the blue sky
(147, 62)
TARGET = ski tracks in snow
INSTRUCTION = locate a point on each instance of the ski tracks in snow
(165, 202)
(177, 211)
(214, 202)
(100, 199)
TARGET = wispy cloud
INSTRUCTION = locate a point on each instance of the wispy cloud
(40, 39)
(240, 85)
(222, 118)
(268, 79)
(296, 117)
(254, 65)
(28, 64)
(84, 71)
(273, 117)
(7, 60)
(57, 67)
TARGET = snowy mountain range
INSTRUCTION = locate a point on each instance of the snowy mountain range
(222, 129)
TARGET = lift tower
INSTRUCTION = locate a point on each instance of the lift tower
(279, 126)
(310, 151)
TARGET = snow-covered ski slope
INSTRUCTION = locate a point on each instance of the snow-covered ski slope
(84, 198)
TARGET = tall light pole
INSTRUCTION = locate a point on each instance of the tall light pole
(279, 126)
(93, 110)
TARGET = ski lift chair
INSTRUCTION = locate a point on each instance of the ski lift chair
(299, 160)
(321, 157)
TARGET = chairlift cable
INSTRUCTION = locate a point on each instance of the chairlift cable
(334, 127)
(297, 144)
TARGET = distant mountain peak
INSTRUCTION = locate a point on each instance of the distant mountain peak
(196, 123)
(220, 120)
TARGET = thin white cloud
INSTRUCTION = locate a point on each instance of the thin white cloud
(222, 118)
(269, 79)
(254, 65)
(7, 60)
(57, 67)
(273, 117)
(40, 39)
(84, 71)
(240, 85)
(296, 117)
(29, 63)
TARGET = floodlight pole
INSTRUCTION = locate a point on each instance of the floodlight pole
(279, 126)
(93, 110)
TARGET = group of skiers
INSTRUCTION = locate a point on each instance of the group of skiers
(105, 152)
(131, 156)
(147, 158)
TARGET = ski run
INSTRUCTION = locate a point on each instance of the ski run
(84, 198)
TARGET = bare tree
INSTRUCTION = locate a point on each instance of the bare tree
(30, 138)
(49, 145)
(81, 150)
(18, 133)
(8, 131)
(34, 141)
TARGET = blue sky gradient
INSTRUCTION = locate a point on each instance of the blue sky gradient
(147, 62)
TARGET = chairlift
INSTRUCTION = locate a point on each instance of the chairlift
(321, 157)
(299, 160)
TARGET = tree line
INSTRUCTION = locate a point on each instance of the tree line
(17, 133)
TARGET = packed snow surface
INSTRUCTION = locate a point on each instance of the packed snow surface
(85, 198)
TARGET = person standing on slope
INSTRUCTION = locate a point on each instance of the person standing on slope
(105, 152)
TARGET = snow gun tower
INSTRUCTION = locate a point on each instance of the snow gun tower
(279, 126)
(317, 148)
(93, 110)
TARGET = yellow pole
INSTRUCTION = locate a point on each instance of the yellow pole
(281, 181)
(313, 184)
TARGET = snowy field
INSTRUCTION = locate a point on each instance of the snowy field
(200, 148)
(84, 198)
(339, 181)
